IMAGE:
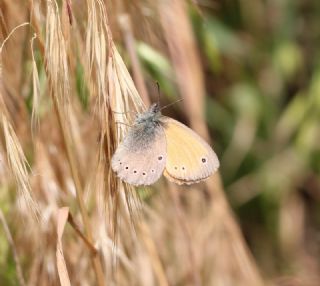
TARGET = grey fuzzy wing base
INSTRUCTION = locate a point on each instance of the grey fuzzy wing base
(141, 158)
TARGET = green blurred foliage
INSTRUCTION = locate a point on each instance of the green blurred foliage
(7, 263)
(159, 68)
(82, 89)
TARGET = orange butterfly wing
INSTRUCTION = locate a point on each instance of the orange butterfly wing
(189, 158)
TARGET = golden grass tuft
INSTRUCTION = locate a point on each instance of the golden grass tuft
(18, 165)
(16, 159)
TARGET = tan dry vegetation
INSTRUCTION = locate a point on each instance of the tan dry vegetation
(170, 235)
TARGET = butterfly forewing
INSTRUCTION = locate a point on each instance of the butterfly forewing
(141, 157)
(189, 158)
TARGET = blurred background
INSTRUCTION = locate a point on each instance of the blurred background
(249, 76)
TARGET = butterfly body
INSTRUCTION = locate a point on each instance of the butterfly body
(157, 145)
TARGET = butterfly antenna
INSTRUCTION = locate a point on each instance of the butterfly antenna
(172, 103)
(158, 87)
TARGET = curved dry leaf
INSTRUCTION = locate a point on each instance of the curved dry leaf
(62, 218)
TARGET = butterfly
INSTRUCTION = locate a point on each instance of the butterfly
(156, 145)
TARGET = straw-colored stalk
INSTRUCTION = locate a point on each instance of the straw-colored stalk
(57, 70)
(16, 159)
(186, 62)
(116, 105)
(127, 31)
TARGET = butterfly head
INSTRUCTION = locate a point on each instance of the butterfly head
(154, 108)
(151, 115)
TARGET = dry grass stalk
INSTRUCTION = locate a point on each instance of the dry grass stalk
(56, 56)
(57, 69)
(62, 218)
(186, 62)
(124, 90)
(228, 237)
(124, 99)
(125, 25)
(36, 90)
(182, 221)
(116, 95)
(97, 35)
(124, 95)
(18, 165)
(153, 254)
(11, 33)
(190, 80)
(115, 88)
(34, 11)
(16, 159)
(3, 107)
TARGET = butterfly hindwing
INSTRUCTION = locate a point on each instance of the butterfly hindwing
(189, 158)
(141, 157)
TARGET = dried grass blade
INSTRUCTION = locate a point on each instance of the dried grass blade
(56, 56)
(115, 91)
(122, 97)
(18, 165)
(15, 156)
(62, 218)
(128, 89)
(58, 73)
(11, 33)
(189, 74)
(125, 25)
(36, 91)
(153, 254)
